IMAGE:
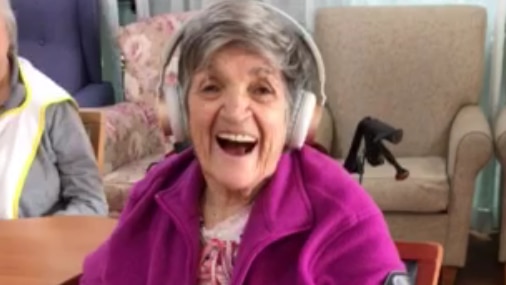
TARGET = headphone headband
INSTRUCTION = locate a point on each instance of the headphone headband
(306, 37)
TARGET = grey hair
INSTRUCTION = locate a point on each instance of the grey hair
(251, 25)
(7, 14)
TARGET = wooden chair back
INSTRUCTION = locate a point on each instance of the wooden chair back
(423, 261)
(94, 123)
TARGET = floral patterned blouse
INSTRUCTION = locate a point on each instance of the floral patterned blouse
(220, 245)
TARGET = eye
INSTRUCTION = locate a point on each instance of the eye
(210, 88)
(262, 90)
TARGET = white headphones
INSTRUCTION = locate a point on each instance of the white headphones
(303, 107)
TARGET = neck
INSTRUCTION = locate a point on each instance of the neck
(219, 203)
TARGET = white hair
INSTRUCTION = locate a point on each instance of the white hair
(253, 26)
(7, 14)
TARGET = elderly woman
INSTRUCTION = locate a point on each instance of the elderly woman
(47, 166)
(240, 206)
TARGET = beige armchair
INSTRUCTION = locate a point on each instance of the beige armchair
(419, 69)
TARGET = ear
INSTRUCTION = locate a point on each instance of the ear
(315, 122)
(163, 116)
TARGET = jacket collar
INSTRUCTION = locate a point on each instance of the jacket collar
(282, 206)
(280, 209)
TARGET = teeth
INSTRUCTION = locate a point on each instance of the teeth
(237, 137)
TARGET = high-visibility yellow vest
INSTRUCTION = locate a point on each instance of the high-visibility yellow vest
(21, 131)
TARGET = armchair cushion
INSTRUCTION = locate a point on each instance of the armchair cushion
(428, 187)
(95, 94)
(425, 191)
(132, 133)
(470, 143)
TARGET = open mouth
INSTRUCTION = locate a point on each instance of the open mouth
(236, 144)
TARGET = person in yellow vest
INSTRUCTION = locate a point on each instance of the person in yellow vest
(47, 165)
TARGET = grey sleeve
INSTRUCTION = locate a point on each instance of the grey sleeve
(81, 184)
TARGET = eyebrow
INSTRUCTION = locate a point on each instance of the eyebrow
(256, 71)
(261, 71)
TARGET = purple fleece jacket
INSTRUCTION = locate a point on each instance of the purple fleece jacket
(311, 224)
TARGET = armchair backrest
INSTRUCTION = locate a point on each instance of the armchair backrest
(412, 67)
(62, 39)
(142, 44)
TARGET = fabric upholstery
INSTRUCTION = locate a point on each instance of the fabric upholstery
(63, 41)
(398, 63)
(473, 150)
(141, 44)
(500, 149)
(418, 68)
(325, 132)
(132, 134)
(427, 227)
(427, 190)
(119, 182)
(134, 137)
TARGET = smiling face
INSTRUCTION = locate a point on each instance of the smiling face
(238, 118)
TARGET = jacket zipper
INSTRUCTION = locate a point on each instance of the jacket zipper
(238, 279)
(192, 267)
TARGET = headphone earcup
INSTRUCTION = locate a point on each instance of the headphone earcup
(175, 113)
(302, 120)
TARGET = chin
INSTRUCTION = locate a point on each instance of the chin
(241, 174)
(237, 181)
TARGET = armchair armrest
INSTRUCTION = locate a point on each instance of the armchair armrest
(470, 145)
(95, 95)
(469, 149)
(132, 133)
(500, 136)
(500, 148)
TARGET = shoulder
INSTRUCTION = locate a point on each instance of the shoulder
(330, 186)
(344, 213)
(64, 108)
(62, 114)
(349, 228)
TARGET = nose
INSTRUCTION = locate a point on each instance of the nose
(236, 107)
